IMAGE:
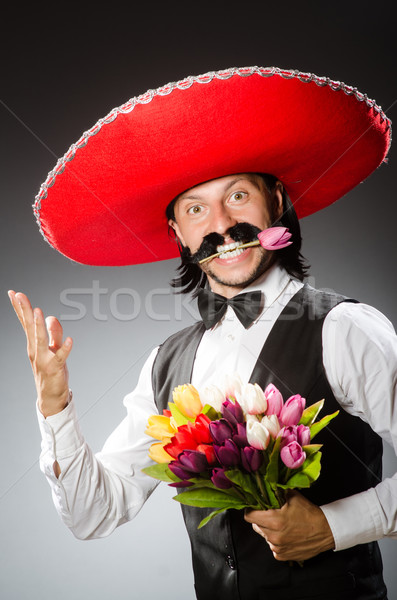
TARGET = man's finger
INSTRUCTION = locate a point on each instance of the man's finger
(16, 306)
(55, 332)
(40, 331)
(62, 354)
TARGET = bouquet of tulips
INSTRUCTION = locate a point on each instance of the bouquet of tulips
(242, 447)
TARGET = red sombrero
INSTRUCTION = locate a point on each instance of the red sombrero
(104, 202)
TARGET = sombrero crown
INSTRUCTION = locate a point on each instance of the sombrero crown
(104, 202)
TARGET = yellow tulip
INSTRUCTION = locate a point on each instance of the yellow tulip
(160, 428)
(158, 454)
(187, 400)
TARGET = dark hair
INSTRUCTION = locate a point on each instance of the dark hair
(192, 278)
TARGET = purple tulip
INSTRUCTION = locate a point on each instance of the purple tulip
(292, 455)
(220, 430)
(181, 484)
(228, 454)
(292, 410)
(220, 480)
(193, 461)
(251, 459)
(178, 470)
(274, 399)
(240, 438)
(232, 412)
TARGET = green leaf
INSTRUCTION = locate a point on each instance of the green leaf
(211, 413)
(298, 480)
(310, 413)
(162, 472)
(312, 466)
(272, 468)
(210, 516)
(180, 418)
(311, 449)
(306, 474)
(208, 498)
(244, 482)
(317, 427)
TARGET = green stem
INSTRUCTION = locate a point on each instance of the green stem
(265, 504)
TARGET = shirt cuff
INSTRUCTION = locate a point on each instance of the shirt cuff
(60, 433)
(354, 520)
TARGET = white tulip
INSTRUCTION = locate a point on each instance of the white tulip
(213, 396)
(253, 400)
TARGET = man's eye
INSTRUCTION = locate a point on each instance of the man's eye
(237, 196)
(194, 210)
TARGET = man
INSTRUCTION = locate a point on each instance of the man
(310, 342)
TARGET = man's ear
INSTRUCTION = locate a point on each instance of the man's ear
(278, 201)
(175, 227)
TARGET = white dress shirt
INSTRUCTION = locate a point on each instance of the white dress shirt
(96, 493)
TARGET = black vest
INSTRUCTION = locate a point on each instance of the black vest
(230, 560)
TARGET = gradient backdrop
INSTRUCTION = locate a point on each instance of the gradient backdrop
(63, 67)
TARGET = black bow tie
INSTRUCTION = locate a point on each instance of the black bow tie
(212, 307)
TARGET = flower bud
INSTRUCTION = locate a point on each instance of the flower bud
(232, 412)
(252, 399)
(274, 399)
(251, 459)
(187, 400)
(220, 430)
(272, 425)
(292, 455)
(231, 385)
(257, 435)
(292, 410)
(220, 480)
(213, 396)
(228, 454)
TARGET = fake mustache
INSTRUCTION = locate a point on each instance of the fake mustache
(241, 232)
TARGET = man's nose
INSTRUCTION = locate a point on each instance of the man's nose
(221, 220)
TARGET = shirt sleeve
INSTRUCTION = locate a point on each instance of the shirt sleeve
(95, 493)
(358, 339)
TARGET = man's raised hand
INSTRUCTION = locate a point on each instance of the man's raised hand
(47, 354)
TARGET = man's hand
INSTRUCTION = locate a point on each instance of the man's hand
(297, 531)
(47, 354)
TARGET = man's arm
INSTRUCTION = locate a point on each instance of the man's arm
(93, 494)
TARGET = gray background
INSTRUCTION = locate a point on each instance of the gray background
(63, 68)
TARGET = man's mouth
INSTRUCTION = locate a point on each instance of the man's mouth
(229, 250)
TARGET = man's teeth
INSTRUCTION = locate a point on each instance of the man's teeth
(229, 250)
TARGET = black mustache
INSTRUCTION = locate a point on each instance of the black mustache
(241, 232)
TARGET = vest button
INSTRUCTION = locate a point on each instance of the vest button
(230, 562)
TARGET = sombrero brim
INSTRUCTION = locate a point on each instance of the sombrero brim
(104, 202)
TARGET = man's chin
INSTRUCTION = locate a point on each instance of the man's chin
(239, 280)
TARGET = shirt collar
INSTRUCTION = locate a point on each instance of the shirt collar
(272, 284)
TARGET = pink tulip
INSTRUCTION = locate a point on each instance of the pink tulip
(292, 455)
(294, 433)
(275, 238)
(292, 410)
(274, 399)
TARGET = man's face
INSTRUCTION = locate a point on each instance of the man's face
(215, 207)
